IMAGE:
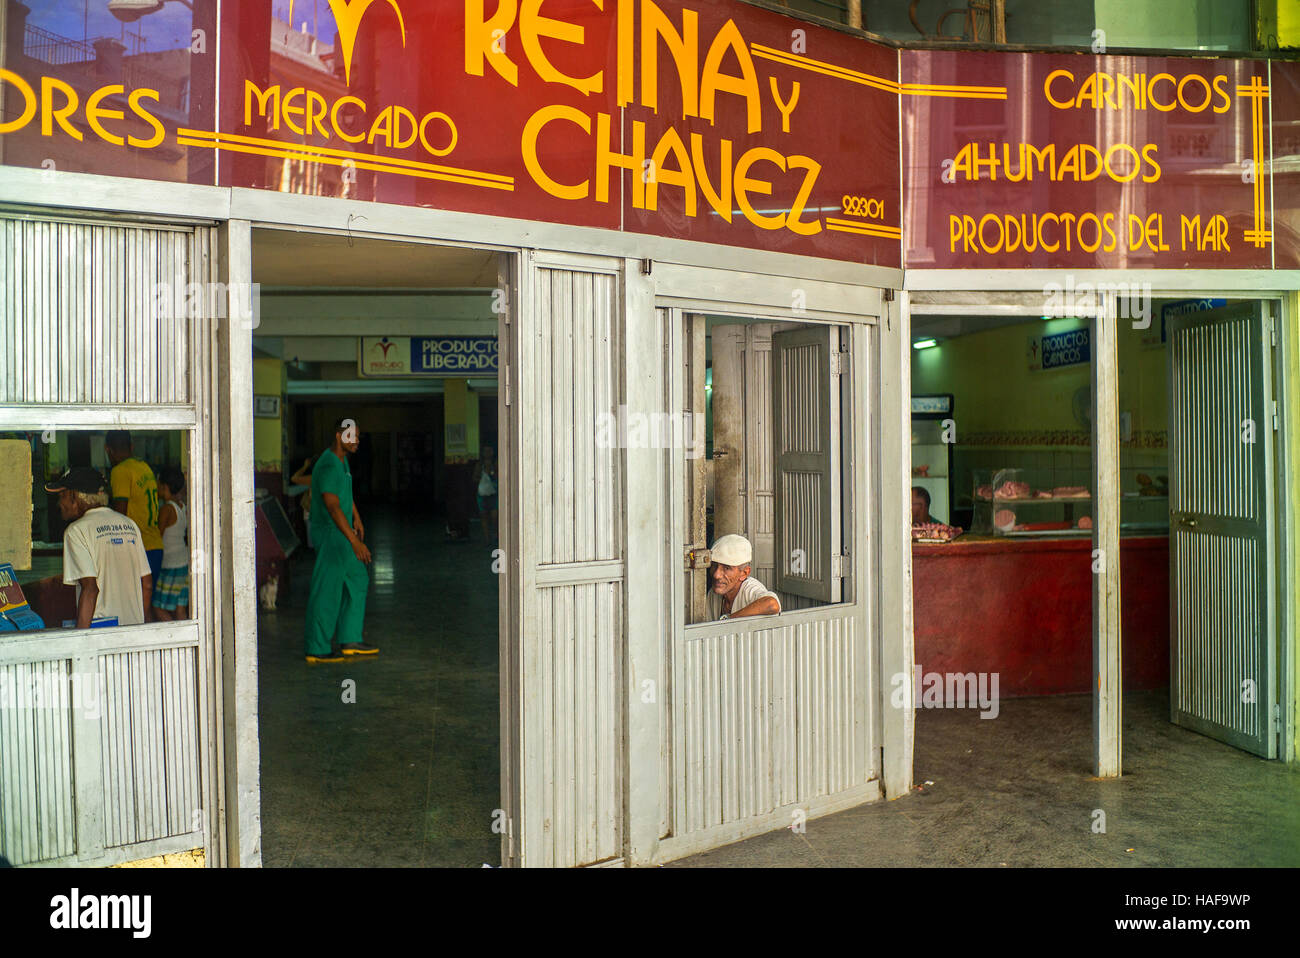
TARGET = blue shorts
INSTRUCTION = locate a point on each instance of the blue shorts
(155, 562)
(487, 503)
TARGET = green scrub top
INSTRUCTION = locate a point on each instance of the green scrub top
(330, 474)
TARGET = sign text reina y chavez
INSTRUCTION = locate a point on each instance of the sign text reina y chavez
(712, 73)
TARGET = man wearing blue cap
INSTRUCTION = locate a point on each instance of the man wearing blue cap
(103, 551)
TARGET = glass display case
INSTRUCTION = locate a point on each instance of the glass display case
(1006, 504)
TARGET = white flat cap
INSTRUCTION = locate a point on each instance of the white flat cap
(732, 550)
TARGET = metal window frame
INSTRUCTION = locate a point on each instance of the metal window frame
(83, 647)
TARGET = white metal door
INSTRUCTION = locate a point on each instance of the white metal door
(1220, 533)
(566, 713)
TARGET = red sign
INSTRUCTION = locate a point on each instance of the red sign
(709, 121)
(1086, 161)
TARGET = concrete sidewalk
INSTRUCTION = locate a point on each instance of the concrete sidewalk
(1018, 791)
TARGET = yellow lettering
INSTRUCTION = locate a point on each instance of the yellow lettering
(1047, 89)
(785, 106)
(684, 48)
(533, 26)
(159, 134)
(289, 111)
(607, 158)
(744, 185)
(721, 199)
(483, 39)
(455, 134)
(94, 112)
(801, 198)
(50, 114)
(29, 100)
(672, 143)
(338, 127)
(533, 129)
(268, 98)
(745, 85)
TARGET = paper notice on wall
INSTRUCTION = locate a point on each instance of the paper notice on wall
(16, 503)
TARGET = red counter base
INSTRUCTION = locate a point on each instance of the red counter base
(1023, 608)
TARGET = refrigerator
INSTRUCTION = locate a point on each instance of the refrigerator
(931, 456)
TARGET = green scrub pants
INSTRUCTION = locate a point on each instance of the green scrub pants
(337, 602)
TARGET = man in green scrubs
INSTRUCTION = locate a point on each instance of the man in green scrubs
(337, 602)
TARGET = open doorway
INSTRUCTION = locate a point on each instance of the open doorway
(1003, 450)
(389, 758)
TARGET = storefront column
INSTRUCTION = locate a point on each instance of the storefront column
(1106, 666)
(894, 559)
(647, 522)
(236, 537)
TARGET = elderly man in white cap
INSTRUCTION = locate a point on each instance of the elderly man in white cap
(741, 593)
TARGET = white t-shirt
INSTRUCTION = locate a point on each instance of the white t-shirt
(107, 546)
(750, 591)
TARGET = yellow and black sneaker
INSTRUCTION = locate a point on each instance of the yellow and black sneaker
(359, 648)
(330, 656)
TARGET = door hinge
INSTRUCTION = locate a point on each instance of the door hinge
(698, 557)
(838, 564)
(505, 382)
(887, 295)
(1277, 414)
(1277, 717)
(839, 363)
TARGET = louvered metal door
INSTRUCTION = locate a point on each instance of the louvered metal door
(1220, 539)
(805, 419)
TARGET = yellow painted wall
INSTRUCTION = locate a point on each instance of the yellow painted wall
(461, 406)
(268, 380)
(994, 390)
(1288, 23)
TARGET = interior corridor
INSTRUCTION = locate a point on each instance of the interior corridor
(408, 774)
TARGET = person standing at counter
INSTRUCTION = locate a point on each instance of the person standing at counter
(741, 593)
(921, 507)
(103, 552)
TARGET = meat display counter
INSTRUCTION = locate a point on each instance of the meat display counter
(1022, 607)
(1007, 505)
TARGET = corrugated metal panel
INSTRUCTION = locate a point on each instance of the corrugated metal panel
(91, 313)
(1218, 642)
(769, 719)
(582, 633)
(578, 645)
(37, 821)
(150, 744)
(580, 486)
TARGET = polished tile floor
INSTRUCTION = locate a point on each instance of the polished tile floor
(408, 774)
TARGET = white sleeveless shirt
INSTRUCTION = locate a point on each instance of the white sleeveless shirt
(176, 552)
